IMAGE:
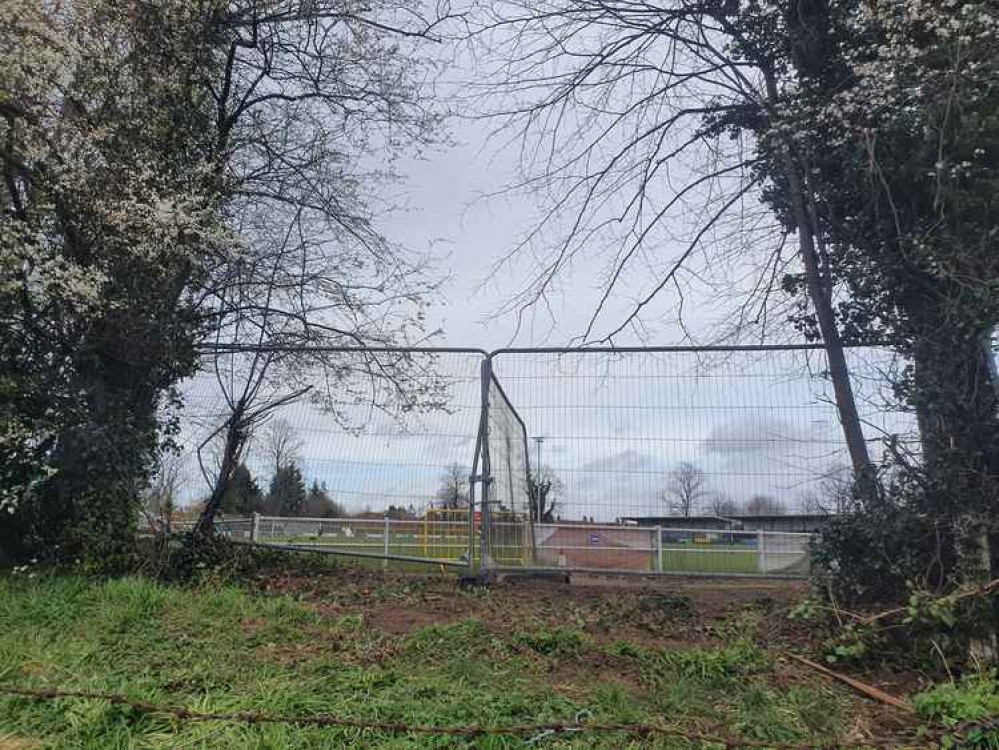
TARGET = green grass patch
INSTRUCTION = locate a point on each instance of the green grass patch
(223, 648)
(552, 641)
(676, 557)
(715, 558)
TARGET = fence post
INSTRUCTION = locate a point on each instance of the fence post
(255, 527)
(761, 550)
(472, 479)
(385, 540)
(657, 548)
(485, 475)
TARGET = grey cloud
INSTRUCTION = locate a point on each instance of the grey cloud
(763, 436)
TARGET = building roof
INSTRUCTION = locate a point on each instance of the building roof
(734, 517)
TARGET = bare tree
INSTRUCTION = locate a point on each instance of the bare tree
(832, 494)
(765, 505)
(638, 131)
(546, 491)
(452, 494)
(282, 444)
(162, 496)
(305, 148)
(722, 505)
(686, 489)
(246, 413)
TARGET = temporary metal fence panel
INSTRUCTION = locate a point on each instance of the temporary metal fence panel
(652, 461)
(235, 528)
(373, 432)
(631, 440)
(510, 531)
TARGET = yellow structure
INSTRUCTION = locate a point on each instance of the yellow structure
(445, 535)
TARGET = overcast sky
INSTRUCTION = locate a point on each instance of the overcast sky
(453, 214)
(450, 217)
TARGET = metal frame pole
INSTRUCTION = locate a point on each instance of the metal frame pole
(761, 551)
(385, 541)
(485, 474)
(530, 545)
(657, 549)
(472, 481)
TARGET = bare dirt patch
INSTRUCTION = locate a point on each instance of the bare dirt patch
(398, 620)
(666, 613)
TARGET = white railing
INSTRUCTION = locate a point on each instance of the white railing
(445, 542)
(564, 545)
(657, 550)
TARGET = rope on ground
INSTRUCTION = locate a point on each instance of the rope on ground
(537, 731)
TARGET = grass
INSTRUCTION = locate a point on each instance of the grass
(224, 648)
(715, 558)
(719, 557)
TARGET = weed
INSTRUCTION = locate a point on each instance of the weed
(441, 642)
(350, 623)
(742, 627)
(852, 644)
(626, 649)
(809, 609)
(973, 698)
(720, 664)
(817, 711)
(552, 641)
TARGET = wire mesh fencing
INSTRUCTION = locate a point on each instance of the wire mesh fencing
(363, 435)
(719, 461)
(508, 520)
(651, 461)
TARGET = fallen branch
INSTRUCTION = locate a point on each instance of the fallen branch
(862, 687)
(984, 590)
(254, 717)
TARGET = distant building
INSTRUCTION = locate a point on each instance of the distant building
(809, 523)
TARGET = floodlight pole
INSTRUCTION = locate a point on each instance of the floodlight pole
(538, 441)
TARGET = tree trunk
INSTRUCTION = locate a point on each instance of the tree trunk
(235, 438)
(955, 393)
(89, 506)
(809, 51)
(821, 298)
(974, 554)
